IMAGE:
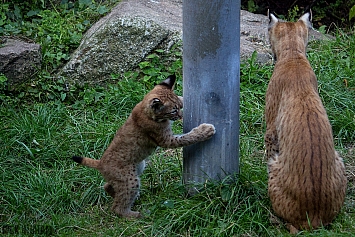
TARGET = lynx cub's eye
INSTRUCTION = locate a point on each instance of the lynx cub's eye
(157, 104)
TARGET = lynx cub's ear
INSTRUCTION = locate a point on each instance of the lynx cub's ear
(273, 19)
(307, 18)
(169, 82)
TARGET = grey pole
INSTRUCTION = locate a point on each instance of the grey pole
(211, 63)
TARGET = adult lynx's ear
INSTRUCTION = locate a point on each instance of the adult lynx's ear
(273, 19)
(307, 19)
(169, 82)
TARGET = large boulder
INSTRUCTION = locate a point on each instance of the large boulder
(19, 60)
(122, 39)
(134, 28)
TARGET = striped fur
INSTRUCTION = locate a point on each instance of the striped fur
(307, 180)
(147, 127)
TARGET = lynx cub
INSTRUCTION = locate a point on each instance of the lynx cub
(307, 180)
(147, 127)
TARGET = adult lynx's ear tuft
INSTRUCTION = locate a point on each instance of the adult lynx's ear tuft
(273, 19)
(307, 19)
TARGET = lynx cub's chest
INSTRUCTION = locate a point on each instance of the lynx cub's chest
(307, 180)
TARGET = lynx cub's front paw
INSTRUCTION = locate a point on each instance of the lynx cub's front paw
(206, 130)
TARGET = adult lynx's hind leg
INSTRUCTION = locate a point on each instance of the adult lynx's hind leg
(271, 144)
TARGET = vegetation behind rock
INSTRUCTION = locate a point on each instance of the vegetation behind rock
(329, 14)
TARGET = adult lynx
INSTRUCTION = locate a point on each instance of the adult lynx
(147, 127)
(307, 180)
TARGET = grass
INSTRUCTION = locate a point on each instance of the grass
(43, 192)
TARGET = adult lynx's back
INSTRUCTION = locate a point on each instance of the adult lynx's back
(307, 180)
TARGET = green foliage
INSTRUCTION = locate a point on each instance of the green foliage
(227, 208)
(3, 87)
(251, 6)
(156, 68)
(294, 13)
(3, 81)
(48, 122)
(3, 9)
(329, 14)
(58, 28)
(333, 63)
(42, 186)
(160, 65)
(352, 13)
(253, 82)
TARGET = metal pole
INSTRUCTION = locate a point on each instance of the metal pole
(211, 63)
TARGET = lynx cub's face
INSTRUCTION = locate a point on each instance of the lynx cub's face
(162, 104)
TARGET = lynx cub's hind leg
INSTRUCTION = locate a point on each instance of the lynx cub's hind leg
(109, 189)
(141, 167)
(125, 193)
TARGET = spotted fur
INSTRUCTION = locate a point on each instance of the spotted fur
(307, 180)
(147, 127)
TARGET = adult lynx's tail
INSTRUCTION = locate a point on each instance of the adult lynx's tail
(86, 161)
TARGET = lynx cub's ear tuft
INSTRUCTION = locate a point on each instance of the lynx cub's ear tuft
(169, 82)
(273, 19)
(307, 18)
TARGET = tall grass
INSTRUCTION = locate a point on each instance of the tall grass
(333, 63)
(41, 186)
